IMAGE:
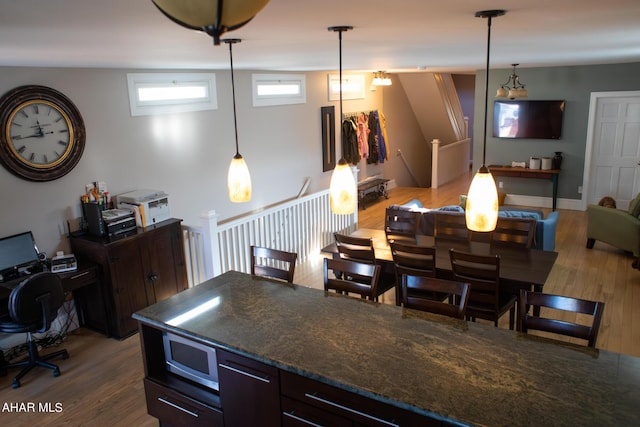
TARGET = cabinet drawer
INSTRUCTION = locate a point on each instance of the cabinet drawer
(361, 410)
(176, 409)
(77, 279)
(298, 414)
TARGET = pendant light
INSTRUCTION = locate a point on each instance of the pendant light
(214, 17)
(342, 189)
(512, 88)
(238, 177)
(481, 212)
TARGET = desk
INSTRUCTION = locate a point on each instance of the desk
(78, 282)
(551, 174)
(519, 268)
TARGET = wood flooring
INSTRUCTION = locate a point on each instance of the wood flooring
(101, 382)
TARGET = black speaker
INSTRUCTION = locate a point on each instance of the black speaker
(93, 217)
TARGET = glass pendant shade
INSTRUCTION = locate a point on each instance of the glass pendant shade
(481, 212)
(214, 17)
(342, 190)
(239, 180)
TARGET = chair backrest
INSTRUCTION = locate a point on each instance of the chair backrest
(413, 259)
(567, 304)
(450, 225)
(36, 300)
(355, 248)
(514, 231)
(415, 287)
(274, 263)
(482, 272)
(401, 224)
(351, 277)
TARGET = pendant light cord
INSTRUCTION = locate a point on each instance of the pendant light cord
(340, 30)
(230, 42)
(486, 93)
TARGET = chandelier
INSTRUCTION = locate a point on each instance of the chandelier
(512, 88)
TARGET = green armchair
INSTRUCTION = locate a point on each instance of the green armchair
(616, 227)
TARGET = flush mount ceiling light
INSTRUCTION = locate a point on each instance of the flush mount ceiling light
(238, 177)
(512, 88)
(214, 17)
(481, 212)
(342, 189)
(381, 78)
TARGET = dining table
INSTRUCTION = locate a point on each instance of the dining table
(520, 267)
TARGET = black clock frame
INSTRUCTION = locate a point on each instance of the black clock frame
(16, 97)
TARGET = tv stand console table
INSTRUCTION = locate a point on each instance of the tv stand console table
(551, 174)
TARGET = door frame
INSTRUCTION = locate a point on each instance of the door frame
(588, 154)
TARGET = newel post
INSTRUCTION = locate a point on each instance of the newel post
(210, 243)
(435, 150)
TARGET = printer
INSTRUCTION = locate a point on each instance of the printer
(149, 206)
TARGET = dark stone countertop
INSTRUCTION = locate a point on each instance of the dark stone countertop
(468, 373)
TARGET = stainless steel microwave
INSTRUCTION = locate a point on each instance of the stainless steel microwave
(191, 360)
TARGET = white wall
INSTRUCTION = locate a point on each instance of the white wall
(186, 155)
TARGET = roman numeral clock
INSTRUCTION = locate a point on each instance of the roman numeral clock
(43, 133)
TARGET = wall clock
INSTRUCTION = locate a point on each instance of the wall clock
(43, 133)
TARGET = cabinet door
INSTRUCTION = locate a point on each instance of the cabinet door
(165, 272)
(128, 286)
(249, 391)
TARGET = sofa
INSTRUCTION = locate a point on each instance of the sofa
(617, 227)
(545, 237)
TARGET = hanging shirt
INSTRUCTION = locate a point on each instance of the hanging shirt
(363, 135)
(382, 146)
(383, 134)
(372, 140)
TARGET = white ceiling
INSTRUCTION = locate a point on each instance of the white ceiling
(399, 35)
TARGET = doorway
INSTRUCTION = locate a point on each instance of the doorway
(612, 154)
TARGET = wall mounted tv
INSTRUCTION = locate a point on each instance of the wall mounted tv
(528, 119)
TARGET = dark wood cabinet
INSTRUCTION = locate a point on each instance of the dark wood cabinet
(249, 391)
(136, 271)
(310, 402)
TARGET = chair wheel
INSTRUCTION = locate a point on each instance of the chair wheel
(56, 372)
(15, 384)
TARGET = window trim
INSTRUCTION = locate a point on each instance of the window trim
(276, 80)
(137, 81)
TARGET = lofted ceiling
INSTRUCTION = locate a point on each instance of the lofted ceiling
(292, 35)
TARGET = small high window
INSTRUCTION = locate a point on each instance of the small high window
(278, 89)
(163, 93)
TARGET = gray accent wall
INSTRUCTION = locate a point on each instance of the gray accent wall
(574, 85)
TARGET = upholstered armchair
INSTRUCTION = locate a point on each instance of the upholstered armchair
(616, 227)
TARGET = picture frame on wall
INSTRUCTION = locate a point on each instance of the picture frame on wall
(328, 117)
(352, 86)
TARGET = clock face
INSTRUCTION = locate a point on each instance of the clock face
(42, 133)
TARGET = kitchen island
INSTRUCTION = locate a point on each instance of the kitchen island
(384, 365)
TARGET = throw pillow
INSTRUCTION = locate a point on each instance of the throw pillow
(452, 208)
(519, 214)
(634, 206)
(462, 201)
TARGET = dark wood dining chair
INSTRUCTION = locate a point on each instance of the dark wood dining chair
(564, 304)
(514, 232)
(482, 272)
(351, 277)
(416, 261)
(450, 225)
(361, 249)
(415, 287)
(273, 263)
(401, 225)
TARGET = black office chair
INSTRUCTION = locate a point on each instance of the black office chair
(33, 305)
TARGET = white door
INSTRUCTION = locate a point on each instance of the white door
(615, 150)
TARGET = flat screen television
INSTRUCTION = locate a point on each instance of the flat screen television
(528, 119)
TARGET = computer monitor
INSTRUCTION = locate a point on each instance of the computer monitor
(18, 251)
